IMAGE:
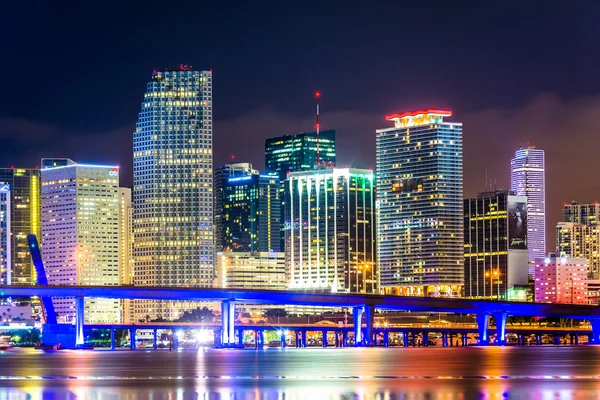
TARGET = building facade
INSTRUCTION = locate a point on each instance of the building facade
(293, 153)
(80, 234)
(251, 270)
(586, 214)
(126, 249)
(25, 218)
(173, 185)
(251, 214)
(495, 245)
(330, 230)
(580, 241)
(5, 230)
(527, 178)
(561, 280)
(420, 248)
(221, 177)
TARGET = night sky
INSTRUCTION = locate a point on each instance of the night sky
(512, 72)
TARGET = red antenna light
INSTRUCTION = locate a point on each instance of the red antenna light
(233, 157)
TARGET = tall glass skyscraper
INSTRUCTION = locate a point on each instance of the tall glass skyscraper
(527, 178)
(293, 153)
(5, 244)
(25, 218)
(173, 184)
(420, 205)
(330, 230)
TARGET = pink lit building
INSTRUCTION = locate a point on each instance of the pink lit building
(561, 280)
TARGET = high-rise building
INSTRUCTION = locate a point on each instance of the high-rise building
(580, 241)
(251, 270)
(251, 214)
(125, 236)
(527, 178)
(25, 218)
(173, 185)
(5, 242)
(221, 177)
(293, 153)
(80, 234)
(330, 230)
(495, 245)
(560, 280)
(586, 214)
(420, 248)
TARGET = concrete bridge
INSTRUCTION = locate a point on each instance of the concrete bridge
(363, 305)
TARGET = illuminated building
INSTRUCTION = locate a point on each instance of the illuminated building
(80, 234)
(586, 214)
(251, 270)
(221, 176)
(125, 248)
(420, 248)
(330, 230)
(173, 185)
(495, 245)
(25, 210)
(251, 214)
(5, 242)
(580, 241)
(560, 280)
(527, 178)
(293, 153)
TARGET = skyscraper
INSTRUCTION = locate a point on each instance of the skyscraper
(221, 177)
(173, 184)
(80, 234)
(495, 245)
(560, 280)
(5, 242)
(125, 236)
(251, 214)
(420, 244)
(25, 218)
(586, 214)
(527, 178)
(293, 153)
(580, 241)
(330, 230)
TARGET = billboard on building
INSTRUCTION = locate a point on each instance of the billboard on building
(517, 225)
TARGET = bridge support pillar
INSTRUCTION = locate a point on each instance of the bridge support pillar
(324, 338)
(425, 339)
(132, 339)
(228, 323)
(282, 338)
(538, 340)
(357, 313)
(240, 338)
(369, 322)
(112, 338)
(79, 320)
(482, 327)
(405, 339)
(500, 318)
(386, 338)
(154, 339)
(595, 331)
(303, 339)
(174, 339)
(576, 339)
(465, 339)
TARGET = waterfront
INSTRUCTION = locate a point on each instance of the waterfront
(362, 373)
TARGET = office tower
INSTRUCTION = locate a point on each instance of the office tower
(125, 236)
(420, 248)
(495, 245)
(251, 214)
(221, 176)
(580, 241)
(251, 270)
(527, 178)
(293, 153)
(173, 185)
(330, 230)
(5, 228)
(560, 280)
(25, 218)
(586, 214)
(80, 234)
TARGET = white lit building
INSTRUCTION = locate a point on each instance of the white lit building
(246, 270)
(126, 249)
(560, 280)
(80, 234)
(527, 178)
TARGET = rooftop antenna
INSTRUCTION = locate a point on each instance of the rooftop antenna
(317, 98)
